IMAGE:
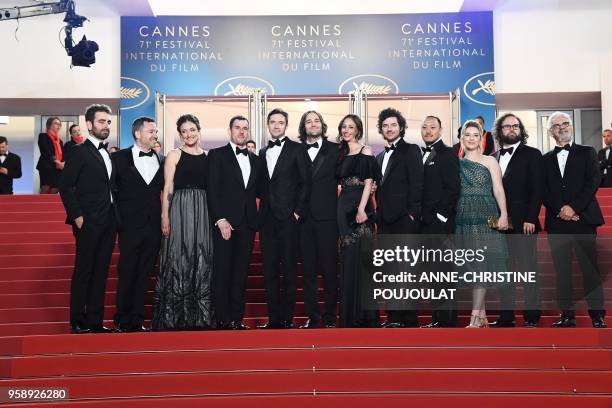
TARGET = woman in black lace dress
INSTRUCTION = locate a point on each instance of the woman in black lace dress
(182, 299)
(357, 171)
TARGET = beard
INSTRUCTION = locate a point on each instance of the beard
(510, 139)
(101, 134)
(565, 137)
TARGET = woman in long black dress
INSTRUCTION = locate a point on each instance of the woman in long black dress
(51, 161)
(182, 299)
(357, 170)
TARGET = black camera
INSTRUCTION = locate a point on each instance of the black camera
(84, 53)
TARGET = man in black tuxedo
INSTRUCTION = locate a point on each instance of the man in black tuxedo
(398, 198)
(232, 194)
(441, 190)
(572, 177)
(285, 183)
(605, 159)
(10, 167)
(318, 229)
(86, 188)
(523, 178)
(139, 181)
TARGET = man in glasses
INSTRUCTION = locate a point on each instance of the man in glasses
(523, 178)
(572, 177)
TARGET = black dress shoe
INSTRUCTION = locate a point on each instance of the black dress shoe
(239, 326)
(565, 321)
(140, 329)
(433, 325)
(330, 325)
(502, 323)
(270, 325)
(393, 325)
(101, 329)
(599, 323)
(76, 329)
(224, 326)
(310, 324)
(287, 324)
(530, 324)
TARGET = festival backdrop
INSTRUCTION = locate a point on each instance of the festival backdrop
(306, 55)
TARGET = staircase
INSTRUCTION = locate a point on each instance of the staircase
(328, 367)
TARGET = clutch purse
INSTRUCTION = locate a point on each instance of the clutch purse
(493, 221)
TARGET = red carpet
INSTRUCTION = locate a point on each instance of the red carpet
(297, 368)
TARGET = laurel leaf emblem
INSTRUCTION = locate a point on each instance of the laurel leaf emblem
(130, 93)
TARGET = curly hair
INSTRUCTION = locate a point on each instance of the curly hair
(392, 113)
(497, 128)
(188, 117)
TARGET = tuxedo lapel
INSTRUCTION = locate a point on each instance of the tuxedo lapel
(281, 158)
(516, 156)
(231, 157)
(94, 151)
(431, 156)
(253, 174)
(571, 157)
(321, 156)
(132, 166)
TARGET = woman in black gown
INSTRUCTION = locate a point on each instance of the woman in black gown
(182, 299)
(357, 171)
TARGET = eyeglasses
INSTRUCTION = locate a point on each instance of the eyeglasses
(508, 127)
(558, 126)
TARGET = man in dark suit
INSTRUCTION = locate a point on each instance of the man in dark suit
(605, 159)
(318, 229)
(523, 179)
(139, 181)
(572, 177)
(10, 167)
(285, 184)
(441, 189)
(86, 188)
(398, 198)
(232, 194)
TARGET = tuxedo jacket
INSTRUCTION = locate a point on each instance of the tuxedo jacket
(227, 195)
(47, 158)
(85, 187)
(68, 149)
(401, 187)
(605, 164)
(524, 185)
(441, 185)
(576, 188)
(138, 203)
(322, 205)
(13, 165)
(288, 190)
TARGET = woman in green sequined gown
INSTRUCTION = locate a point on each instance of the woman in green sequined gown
(482, 196)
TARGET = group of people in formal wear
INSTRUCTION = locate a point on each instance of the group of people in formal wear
(320, 202)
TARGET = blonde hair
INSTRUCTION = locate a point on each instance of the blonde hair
(469, 124)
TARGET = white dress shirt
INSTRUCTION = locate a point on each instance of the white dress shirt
(562, 159)
(313, 151)
(426, 155)
(387, 156)
(504, 159)
(607, 157)
(244, 163)
(105, 156)
(146, 166)
(272, 154)
(3, 157)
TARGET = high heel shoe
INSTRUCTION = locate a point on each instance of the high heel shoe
(483, 322)
(474, 322)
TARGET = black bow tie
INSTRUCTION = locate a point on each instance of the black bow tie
(388, 148)
(103, 145)
(150, 154)
(427, 149)
(315, 145)
(276, 142)
(504, 151)
(244, 151)
(559, 148)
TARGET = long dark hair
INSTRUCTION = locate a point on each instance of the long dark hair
(302, 128)
(344, 147)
